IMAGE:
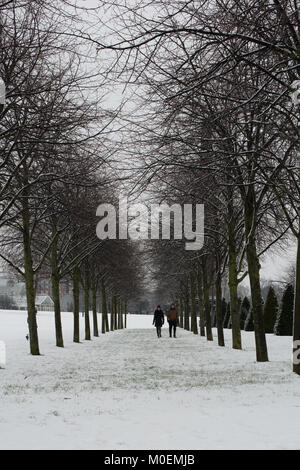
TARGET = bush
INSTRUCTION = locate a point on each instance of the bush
(245, 309)
(284, 322)
(270, 311)
(227, 318)
(249, 324)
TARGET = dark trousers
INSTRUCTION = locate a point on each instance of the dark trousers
(172, 326)
(158, 330)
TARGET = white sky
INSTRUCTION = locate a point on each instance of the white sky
(275, 264)
(277, 261)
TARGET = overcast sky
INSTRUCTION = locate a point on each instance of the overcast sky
(277, 261)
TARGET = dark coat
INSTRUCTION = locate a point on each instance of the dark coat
(173, 315)
(159, 318)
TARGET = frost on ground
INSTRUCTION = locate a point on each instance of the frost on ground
(130, 390)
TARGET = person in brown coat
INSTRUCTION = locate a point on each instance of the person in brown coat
(172, 316)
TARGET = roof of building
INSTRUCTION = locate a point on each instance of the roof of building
(39, 300)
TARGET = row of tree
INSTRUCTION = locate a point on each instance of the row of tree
(57, 166)
(216, 123)
(278, 319)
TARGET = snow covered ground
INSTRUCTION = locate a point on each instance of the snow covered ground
(130, 390)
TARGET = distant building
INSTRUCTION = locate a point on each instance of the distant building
(43, 287)
(43, 303)
(13, 291)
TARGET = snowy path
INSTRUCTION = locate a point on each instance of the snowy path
(129, 390)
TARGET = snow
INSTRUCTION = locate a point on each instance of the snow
(131, 390)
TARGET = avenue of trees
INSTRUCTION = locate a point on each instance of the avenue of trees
(56, 168)
(216, 122)
(213, 119)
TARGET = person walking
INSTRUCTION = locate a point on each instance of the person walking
(172, 316)
(158, 320)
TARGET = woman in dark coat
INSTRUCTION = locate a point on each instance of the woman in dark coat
(158, 320)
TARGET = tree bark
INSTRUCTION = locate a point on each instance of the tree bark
(29, 281)
(296, 334)
(254, 276)
(94, 309)
(221, 341)
(115, 313)
(119, 313)
(105, 325)
(209, 334)
(122, 305)
(181, 313)
(55, 278)
(76, 293)
(201, 304)
(187, 311)
(233, 285)
(212, 304)
(112, 320)
(87, 306)
(194, 327)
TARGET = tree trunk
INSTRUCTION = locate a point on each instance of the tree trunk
(254, 276)
(76, 294)
(212, 306)
(94, 308)
(201, 304)
(56, 295)
(187, 311)
(105, 325)
(296, 337)
(194, 326)
(125, 314)
(221, 341)
(112, 320)
(122, 309)
(115, 313)
(209, 334)
(119, 304)
(233, 286)
(181, 313)
(76, 304)
(87, 306)
(29, 282)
